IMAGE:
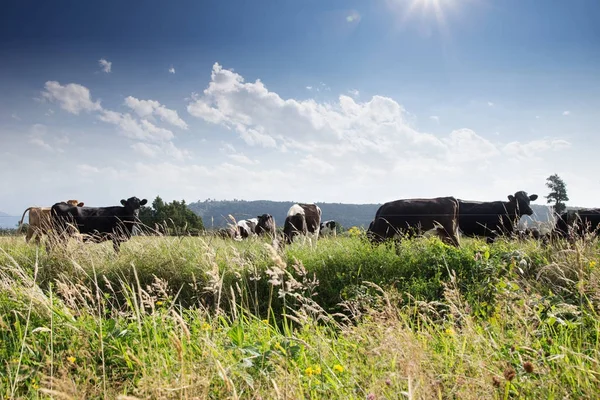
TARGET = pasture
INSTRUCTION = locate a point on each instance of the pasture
(211, 318)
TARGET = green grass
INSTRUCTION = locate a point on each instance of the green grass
(199, 317)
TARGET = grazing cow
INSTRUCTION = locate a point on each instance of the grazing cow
(265, 225)
(302, 219)
(494, 218)
(577, 222)
(227, 233)
(414, 216)
(98, 223)
(247, 227)
(40, 221)
(328, 228)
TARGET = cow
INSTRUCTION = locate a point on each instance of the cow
(494, 218)
(247, 227)
(414, 216)
(577, 222)
(98, 224)
(227, 233)
(302, 219)
(265, 225)
(328, 228)
(40, 221)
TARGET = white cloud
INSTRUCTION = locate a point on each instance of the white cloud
(565, 113)
(105, 65)
(50, 112)
(537, 117)
(145, 108)
(533, 149)
(172, 70)
(242, 159)
(490, 104)
(435, 118)
(159, 150)
(72, 97)
(328, 137)
(309, 88)
(15, 116)
(354, 93)
(134, 129)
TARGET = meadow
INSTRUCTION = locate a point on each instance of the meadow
(208, 318)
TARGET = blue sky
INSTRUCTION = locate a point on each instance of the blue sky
(356, 101)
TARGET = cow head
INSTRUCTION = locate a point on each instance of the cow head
(522, 202)
(133, 204)
(265, 224)
(75, 203)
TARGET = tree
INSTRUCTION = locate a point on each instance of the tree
(558, 193)
(172, 218)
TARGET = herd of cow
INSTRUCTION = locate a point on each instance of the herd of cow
(446, 215)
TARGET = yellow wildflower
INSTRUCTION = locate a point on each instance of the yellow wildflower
(159, 303)
(317, 370)
(266, 321)
(338, 368)
(592, 264)
(206, 326)
(308, 371)
(449, 331)
(71, 359)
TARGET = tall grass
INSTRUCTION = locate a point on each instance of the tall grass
(200, 317)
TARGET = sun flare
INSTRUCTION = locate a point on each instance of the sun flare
(424, 10)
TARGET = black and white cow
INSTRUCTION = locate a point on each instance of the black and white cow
(247, 227)
(266, 225)
(328, 228)
(493, 218)
(97, 224)
(573, 223)
(302, 219)
(416, 216)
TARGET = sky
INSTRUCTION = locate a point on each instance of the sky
(346, 101)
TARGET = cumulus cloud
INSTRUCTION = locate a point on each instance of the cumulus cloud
(354, 93)
(105, 65)
(435, 118)
(328, 137)
(72, 97)
(134, 129)
(172, 70)
(145, 108)
(535, 148)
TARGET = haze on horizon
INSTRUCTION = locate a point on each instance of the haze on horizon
(340, 101)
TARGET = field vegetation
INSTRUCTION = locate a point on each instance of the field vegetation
(208, 318)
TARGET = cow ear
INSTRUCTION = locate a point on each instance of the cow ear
(80, 204)
(511, 198)
(143, 202)
(533, 197)
(123, 202)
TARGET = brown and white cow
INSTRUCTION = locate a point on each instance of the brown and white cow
(40, 221)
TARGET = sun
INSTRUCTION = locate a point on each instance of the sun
(424, 10)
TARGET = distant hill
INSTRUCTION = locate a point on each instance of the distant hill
(214, 212)
(8, 221)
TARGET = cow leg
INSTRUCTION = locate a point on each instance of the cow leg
(29, 234)
(450, 234)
